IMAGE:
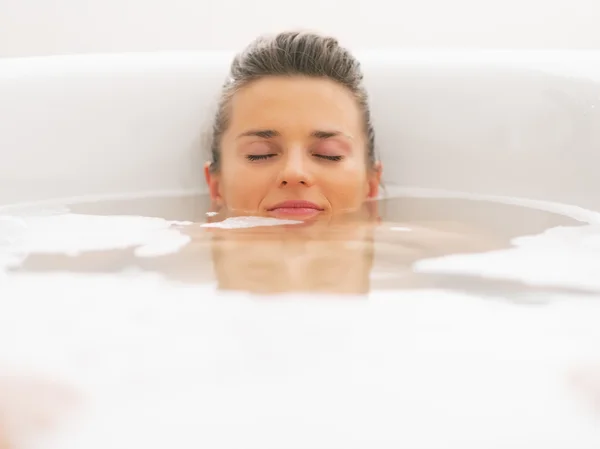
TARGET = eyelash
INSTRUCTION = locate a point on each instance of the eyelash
(259, 157)
(262, 157)
(329, 158)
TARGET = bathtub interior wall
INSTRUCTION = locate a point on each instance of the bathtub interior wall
(519, 123)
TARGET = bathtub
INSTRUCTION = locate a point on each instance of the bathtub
(523, 124)
(145, 364)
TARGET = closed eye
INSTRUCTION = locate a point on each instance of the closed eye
(259, 157)
(329, 158)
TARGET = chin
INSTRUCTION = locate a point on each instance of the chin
(296, 214)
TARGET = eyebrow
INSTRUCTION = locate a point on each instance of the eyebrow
(270, 133)
(264, 133)
(325, 134)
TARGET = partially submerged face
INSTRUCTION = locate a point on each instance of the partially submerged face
(295, 147)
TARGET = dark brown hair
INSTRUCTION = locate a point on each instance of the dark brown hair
(292, 54)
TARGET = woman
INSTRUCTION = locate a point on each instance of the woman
(292, 137)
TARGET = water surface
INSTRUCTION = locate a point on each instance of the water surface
(388, 244)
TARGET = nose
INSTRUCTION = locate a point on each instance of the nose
(295, 170)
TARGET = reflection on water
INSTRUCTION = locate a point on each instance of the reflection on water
(375, 248)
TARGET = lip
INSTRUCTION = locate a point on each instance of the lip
(296, 204)
(295, 208)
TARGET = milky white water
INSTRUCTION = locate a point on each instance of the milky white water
(449, 322)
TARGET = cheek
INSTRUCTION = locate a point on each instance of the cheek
(346, 187)
(243, 187)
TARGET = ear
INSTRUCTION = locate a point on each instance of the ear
(212, 182)
(374, 180)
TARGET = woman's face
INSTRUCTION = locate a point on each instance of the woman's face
(295, 148)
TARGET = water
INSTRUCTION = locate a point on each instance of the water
(374, 250)
(449, 321)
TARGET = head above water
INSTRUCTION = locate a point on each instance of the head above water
(292, 136)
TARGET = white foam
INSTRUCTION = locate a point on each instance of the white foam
(249, 222)
(73, 234)
(162, 365)
(559, 257)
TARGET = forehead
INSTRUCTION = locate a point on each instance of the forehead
(295, 102)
